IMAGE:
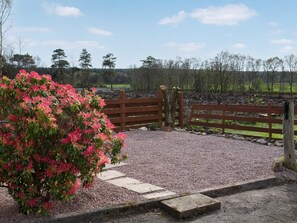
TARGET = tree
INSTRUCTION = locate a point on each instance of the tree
(85, 63)
(5, 9)
(60, 63)
(149, 66)
(23, 61)
(221, 67)
(271, 68)
(291, 63)
(108, 65)
(85, 59)
(253, 67)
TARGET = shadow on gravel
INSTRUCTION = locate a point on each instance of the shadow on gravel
(275, 204)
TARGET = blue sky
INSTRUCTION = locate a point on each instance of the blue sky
(164, 29)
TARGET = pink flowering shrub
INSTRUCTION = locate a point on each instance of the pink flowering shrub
(54, 142)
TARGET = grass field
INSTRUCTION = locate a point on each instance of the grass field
(121, 86)
(246, 133)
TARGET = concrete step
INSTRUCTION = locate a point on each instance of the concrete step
(124, 181)
(158, 194)
(143, 188)
(110, 174)
(190, 205)
(109, 166)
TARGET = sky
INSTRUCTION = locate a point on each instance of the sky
(165, 29)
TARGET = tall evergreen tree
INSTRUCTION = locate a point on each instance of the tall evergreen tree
(85, 60)
(108, 64)
(59, 63)
(85, 63)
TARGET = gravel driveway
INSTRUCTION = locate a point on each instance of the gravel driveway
(177, 161)
(184, 162)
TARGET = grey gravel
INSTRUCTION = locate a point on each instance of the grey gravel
(273, 205)
(176, 161)
(185, 162)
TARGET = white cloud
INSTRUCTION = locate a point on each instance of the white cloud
(225, 15)
(54, 43)
(278, 32)
(273, 24)
(239, 46)
(61, 10)
(173, 20)
(72, 44)
(86, 44)
(100, 32)
(286, 49)
(33, 29)
(282, 42)
(186, 47)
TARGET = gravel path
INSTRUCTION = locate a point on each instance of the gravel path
(184, 162)
(177, 161)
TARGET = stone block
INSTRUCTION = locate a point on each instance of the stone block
(190, 205)
(158, 194)
(110, 174)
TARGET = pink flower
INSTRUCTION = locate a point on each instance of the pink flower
(13, 118)
(49, 173)
(102, 103)
(74, 187)
(32, 202)
(72, 137)
(35, 88)
(96, 127)
(48, 205)
(19, 167)
(65, 167)
(93, 90)
(30, 166)
(103, 160)
(88, 151)
(21, 195)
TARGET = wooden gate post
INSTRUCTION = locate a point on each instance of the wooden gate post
(180, 109)
(122, 99)
(288, 132)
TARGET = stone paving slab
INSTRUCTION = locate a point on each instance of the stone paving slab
(124, 181)
(191, 205)
(109, 166)
(110, 174)
(159, 194)
(143, 188)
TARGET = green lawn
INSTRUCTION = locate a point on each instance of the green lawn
(244, 132)
(121, 86)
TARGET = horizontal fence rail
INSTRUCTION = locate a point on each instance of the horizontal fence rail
(133, 113)
(263, 119)
(129, 113)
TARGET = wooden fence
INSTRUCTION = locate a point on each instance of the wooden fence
(264, 119)
(129, 113)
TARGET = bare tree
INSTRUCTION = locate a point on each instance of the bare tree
(291, 65)
(272, 67)
(5, 9)
(221, 67)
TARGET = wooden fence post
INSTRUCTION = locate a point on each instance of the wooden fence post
(270, 120)
(122, 99)
(288, 132)
(160, 110)
(223, 118)
(180, 109)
